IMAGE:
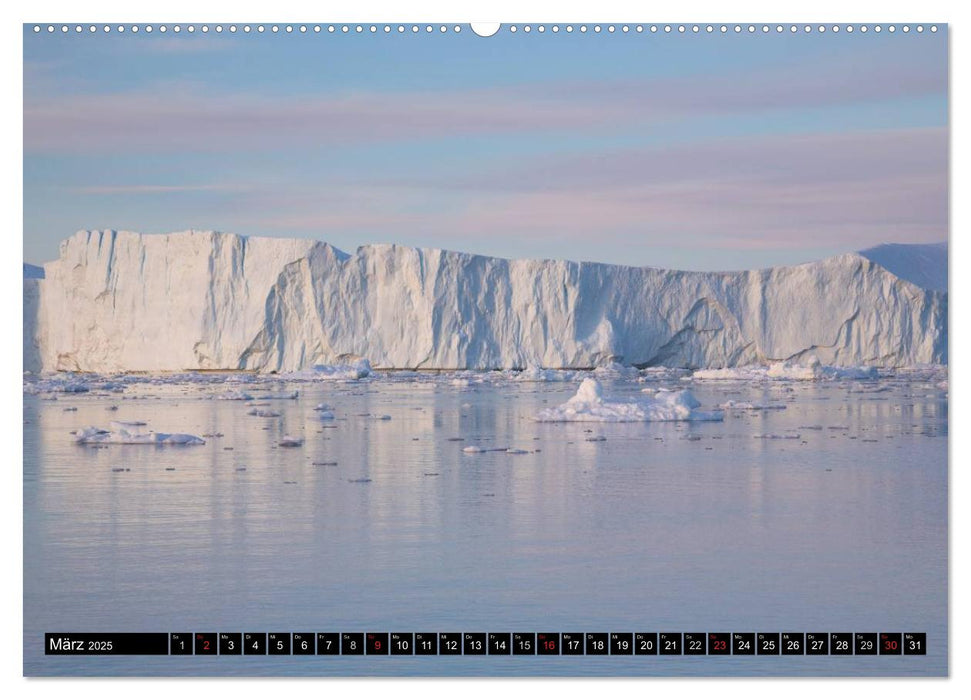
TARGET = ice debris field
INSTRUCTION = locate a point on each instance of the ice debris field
(303, 342)
(610, 394)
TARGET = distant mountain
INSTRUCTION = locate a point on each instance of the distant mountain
(924, 264)
(203, 300)
(33, 272)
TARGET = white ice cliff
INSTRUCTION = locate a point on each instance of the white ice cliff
(119, 301)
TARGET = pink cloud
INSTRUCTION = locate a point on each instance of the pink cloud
(843, 191)
(166, 117)
(158, 189)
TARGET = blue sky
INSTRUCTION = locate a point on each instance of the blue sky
(689, 151)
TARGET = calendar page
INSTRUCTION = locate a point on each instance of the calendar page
(423, 349)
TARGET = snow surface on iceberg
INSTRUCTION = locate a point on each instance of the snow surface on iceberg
(118, 301)
(589, 405)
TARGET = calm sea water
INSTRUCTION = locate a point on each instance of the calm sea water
(661, 527)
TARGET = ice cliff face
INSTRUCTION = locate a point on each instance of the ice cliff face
(118, 301)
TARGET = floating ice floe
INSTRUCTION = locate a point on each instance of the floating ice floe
(662, 374)
(56, 385)
(795, 371)
(475, 449)
(462, 378)
(358, 369)
(732, 404)
(813, 370)
(233, 395)
(289, 396)
(538, 374)
(730, 374)
(615, 370)
(123, 436)
(288, 441)
(324, 411)
(589, 405)
(260, 413)
(850, 372)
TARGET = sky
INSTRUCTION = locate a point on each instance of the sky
(691, 151)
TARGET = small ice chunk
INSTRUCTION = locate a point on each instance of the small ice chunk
(356, 369)
(731, 373)
(791, 370)
(752, 405)
(589, 405)
(538, 374)
(473, 449)
(285, 395)
(260, 413)
(289, 441)
(851, 372)
(233, 395)
(73, 388)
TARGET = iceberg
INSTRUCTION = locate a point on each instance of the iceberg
(200, 300)
(589, 405)
(123, 436)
